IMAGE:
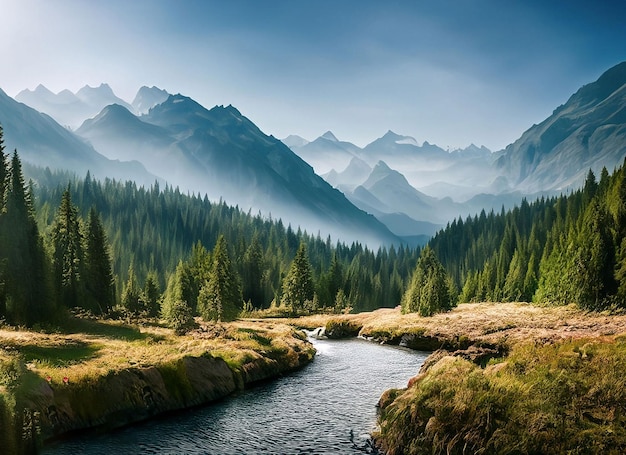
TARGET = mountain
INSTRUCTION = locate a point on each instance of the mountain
(222, 153)
(147, 98)
(70, 109)
(327, 152)
(394, 191)
(42, 141)
(353, 175)
(119, 134)
(394, 146)
(587, 132)
(293, 140)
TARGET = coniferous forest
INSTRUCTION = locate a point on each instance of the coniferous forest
(71, 242)
(112, 246)
(561, 250)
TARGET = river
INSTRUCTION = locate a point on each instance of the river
(328, 407)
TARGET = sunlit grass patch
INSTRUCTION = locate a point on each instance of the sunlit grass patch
(562, 397)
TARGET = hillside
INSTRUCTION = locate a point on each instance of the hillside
(587, 132)
(42, 141)
(223, 154)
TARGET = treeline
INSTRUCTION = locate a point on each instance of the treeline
(567, 249)
(152, 229)
(70, 242)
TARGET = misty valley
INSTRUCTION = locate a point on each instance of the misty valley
(174, 280)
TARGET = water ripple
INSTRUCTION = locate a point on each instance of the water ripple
(326, 408)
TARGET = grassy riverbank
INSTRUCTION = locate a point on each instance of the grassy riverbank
(511, 378)
(52, 383)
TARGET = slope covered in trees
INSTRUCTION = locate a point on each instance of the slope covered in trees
(568, 249)
(67, 242)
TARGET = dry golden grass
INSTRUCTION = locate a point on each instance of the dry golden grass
(107, 346)
(489, 322)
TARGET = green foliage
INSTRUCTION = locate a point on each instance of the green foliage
(298, 287)
(131, 295)
(180, 317)
(220, 297)
(155, 228)
(25, 284)
(68, 258)
(151, 295)
(430, 290)
(98, 273)
(555, 251)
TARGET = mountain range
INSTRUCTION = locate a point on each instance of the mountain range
(40, 140)
(412, 187)
(217, 152)
(402, 181)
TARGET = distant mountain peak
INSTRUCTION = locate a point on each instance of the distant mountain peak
(328, 135)
(148, 97)
(293, 140)
(103, 88)
(381, 166)
(42, 89)
(391, 135)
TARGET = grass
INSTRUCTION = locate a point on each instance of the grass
(568, 396)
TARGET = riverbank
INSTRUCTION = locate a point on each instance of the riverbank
(504, 378)
(106, 374)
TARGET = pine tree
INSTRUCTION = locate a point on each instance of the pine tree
(253, 269)
(220, 297)
(98, 271)
(177, 288)
(429, 291)
(131, 294)
(151, 294)
(594, 260)
(298, 285)
(4, 180)
(68, 258)
(26, 291)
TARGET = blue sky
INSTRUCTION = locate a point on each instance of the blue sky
(449, 72)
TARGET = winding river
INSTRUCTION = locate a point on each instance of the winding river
(326, 408)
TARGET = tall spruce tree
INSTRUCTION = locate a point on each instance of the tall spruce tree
(4, 180)
(98, 271)
(131, 294)
(68, 257)
(253, 268)
(429, 291)
(220, 297)
(298, 286)
(26, 282)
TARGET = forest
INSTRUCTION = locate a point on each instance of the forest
(560, 250)
(113, 248)
(105, 246)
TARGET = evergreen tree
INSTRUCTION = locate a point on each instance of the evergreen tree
(220, 297)
(151, 295)
(131, 295)
(253, 269)
(429, 291)
(177, 288)
(68, 258)
(594, 260)
(298, 285)
(4, 180)
(99, 275)
(26, 283)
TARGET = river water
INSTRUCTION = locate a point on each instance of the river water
(328, 407)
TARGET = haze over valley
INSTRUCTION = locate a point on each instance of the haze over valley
(392, 190)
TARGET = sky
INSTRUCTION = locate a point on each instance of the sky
(447, 72)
